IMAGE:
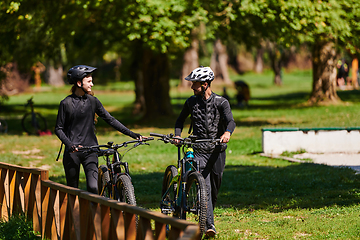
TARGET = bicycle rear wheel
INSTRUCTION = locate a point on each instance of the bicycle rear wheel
(168, 192)
(33, 124)
(103, 178)
(3, 126)
(196, 199)
(125, 190)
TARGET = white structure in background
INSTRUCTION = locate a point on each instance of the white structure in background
(312, 140)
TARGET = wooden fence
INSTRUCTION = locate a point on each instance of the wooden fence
(62, 212)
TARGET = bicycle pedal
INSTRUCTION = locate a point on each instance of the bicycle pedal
(166, 211)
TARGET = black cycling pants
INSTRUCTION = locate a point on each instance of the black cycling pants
(89, 161)
(212, 166)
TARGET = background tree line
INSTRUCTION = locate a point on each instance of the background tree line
(147, 36)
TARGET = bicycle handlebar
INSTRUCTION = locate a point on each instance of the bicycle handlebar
(110, 146)
(170, 138)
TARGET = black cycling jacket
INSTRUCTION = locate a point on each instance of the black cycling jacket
(80, 131)
(210, 118)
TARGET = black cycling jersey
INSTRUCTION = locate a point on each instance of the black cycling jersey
(80, 131)
(210, 118)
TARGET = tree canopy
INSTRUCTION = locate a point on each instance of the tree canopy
(74, 31)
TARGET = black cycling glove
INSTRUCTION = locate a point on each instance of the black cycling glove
(73, 148)
(136, 135)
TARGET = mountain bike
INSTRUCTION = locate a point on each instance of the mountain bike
(32, 122)
(114, 179)
(184, 192)
(3, 126)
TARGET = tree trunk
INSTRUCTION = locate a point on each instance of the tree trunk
(354, 73)
(324, 73)
(276, 64)
(259, 63)
(139, 105)
(155, 74)
(14, 82)
(218, 62)
(55, 76)
(191, 61)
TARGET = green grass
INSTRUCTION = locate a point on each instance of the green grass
(260, 198)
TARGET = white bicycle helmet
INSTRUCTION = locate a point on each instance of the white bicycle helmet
(201, 74)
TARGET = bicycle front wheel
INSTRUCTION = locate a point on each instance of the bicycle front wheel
(125, 190)
(168, 192)
(33, 123)
(196, 199)
(103, 179)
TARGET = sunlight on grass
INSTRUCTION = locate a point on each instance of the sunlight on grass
(260, 198)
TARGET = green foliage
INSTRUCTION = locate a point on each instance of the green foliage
(17, 228)
(293, 22)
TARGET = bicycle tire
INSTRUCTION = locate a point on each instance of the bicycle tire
(169, 197)
(103, 178)
(3, 126)
(196, 199)
(33, 128)
(125, 190)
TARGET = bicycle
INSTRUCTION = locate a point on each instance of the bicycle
(114, 179)
(32, 122)
(184, 190)
(3, 126)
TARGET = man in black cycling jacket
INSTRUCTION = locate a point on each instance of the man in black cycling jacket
(211, 118)
(75, 127)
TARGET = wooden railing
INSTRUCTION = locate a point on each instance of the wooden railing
(62, 212)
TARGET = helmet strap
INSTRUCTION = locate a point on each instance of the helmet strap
(82, 87)
(203, 90)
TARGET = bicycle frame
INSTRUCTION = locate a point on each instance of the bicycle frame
(32, 122)
(186, 165)
(30, 103)
(114, 165)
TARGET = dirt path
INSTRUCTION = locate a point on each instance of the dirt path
(351, 160)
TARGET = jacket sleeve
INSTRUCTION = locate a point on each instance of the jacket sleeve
(60, 125)
(105, 115)
(179, 124)
(228, 117)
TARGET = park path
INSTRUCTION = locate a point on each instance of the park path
(351, 160)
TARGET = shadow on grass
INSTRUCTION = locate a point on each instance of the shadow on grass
(291, 187)
(270, 188)
(283, 101)
(349, 96)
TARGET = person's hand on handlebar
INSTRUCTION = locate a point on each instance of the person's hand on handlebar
(176, 141)
(225, 138)
(75, 148)
(139, 137)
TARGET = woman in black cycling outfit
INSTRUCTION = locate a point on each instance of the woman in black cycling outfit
(75, 127)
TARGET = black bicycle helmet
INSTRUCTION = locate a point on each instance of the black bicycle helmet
(78, 72)
(201, 74)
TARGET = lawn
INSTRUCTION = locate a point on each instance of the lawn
(260, 198)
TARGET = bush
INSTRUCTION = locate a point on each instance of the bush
(18, 227)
